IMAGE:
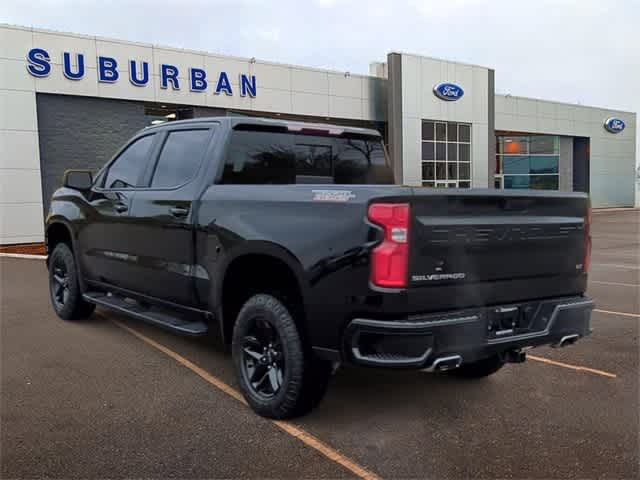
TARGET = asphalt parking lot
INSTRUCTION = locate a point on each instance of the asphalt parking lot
(111, 397)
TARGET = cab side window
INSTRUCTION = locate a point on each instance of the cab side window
(126, 171)
(180, 158)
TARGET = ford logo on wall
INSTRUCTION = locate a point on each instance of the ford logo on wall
(448, 91)
(614, 125)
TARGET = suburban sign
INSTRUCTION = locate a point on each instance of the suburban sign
(108, 71)
(448, 91)
(614, 125)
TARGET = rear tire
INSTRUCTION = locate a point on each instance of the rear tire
(480, 369)
(64, 288)
(278, 376)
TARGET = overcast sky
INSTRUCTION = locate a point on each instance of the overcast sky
(584, 51)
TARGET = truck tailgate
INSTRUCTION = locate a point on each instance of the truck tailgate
(472, 237)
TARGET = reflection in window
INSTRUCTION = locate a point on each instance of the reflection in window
(528, 161)
(275, 157)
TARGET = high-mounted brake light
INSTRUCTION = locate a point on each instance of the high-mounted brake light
(587, 240)
(390, 259)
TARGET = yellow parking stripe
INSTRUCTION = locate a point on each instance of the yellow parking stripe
(296, 432)
(572, 367)
(611, 312)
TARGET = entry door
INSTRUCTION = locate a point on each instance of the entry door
(105, 245)
(164, 214)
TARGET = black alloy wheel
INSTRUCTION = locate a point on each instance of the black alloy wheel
(59, 283)
(263, 363)
(278, 373)
(66, 295)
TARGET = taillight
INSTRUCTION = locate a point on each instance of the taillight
(390, 259)
(587, 240)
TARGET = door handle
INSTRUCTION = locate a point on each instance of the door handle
(179, 211)
(121, 207)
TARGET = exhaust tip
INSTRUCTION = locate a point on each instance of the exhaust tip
(567, 340)
(442, 364)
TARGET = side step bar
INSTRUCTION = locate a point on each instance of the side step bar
(150, 315)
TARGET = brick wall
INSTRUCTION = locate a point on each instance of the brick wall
(81, 132)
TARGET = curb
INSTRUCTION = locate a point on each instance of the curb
(23, 255)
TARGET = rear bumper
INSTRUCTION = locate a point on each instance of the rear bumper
(423, 341)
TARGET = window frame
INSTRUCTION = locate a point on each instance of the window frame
(450, 146)
(153, 164)
(101, 176)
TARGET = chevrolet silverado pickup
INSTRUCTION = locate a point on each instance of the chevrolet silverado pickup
(289, 243)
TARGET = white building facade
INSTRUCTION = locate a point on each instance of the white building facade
(70, 101)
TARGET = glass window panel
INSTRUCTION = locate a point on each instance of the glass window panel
(464, 133)
(356, 160)
(452, 132)
(427, 131)
(515, 164)
(180, 158)
(541, 144)
(464, 152)
(441, 151)
(516, 181)
(441, 131)
(544, 182)
(452, 171)
(544, 164)
(513, 145)
(126, 171)
(428, 170)
(452, 152)
(428, 184)
(464, 184)
(428, 151)
(464, 172)
(441, 171)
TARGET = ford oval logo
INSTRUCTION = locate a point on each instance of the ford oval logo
(614, 125)
(448, 91)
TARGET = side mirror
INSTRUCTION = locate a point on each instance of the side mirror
(78, 179)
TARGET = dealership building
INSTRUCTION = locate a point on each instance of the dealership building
(70, 101)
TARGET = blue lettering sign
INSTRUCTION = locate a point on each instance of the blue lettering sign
(169, 73)
(224, 84)
(74, 68)
(247, 85)
(133, 73)
(448, 91)
(67, 67)
(107, 70)
(39, 65)
(198, 80)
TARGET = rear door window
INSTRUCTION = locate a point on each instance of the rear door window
(126, 171)
(180, 157)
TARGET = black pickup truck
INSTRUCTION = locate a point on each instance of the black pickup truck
(290, 243)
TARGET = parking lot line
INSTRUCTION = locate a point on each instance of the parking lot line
(296, 432)
(618, 284)
(572, 367)
(616, 265)
(611, 312)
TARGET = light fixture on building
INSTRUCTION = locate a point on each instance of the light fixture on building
(252, 60)
(170, 116)
(347, 74)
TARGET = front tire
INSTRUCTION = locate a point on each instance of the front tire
(64, 288)
(278, 376)
(480, 369)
